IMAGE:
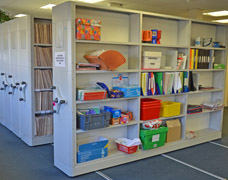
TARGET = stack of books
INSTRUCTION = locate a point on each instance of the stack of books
(87, 67)
(43, 33)
(43, 125)
(43, 79)
(43, 56)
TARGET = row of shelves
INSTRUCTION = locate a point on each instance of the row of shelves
(136, 71)
(175, 31)
(146, 45)
(203, 135)
(121, 30)
(136, 122)
(155, 96)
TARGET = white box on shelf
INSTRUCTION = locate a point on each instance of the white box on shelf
(151, 60)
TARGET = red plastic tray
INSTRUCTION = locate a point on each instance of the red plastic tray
(94, 96)
(126, 149)
(148, 113)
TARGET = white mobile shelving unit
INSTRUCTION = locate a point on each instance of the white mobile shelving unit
(17, 95)
(121, 31)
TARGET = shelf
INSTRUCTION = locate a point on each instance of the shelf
(163, 95)
(164, 46)
(165, 118)
(205, 91)
(208, 48)
(165, 70)
(106, 100)
(205, 70)
(204, 112)
(107, 72)
(107, 42)
(132, 122)
(44, 45)
(204, 132)
(43, 67)
(42, 90)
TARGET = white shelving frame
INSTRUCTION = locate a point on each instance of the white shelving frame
(17, 60)
(121, 30)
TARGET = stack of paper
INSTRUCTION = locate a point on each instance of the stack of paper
(43, 101)
(43, 33)
(43, 79)
(43, 125)
(43, 56)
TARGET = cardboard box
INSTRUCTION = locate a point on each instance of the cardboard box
(174, 132)
(129, 113)
(151, 60)
(116, 113)
(124, 119)
(94, 149)
(88, 29)
(115, 121)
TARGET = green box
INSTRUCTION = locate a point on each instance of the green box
(153, 138)
(219, 66)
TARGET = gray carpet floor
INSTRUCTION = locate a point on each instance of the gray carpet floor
(20, 162)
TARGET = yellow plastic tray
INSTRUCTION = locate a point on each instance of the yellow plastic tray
(170, 108)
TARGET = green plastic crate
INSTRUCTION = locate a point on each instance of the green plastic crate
(153, 138)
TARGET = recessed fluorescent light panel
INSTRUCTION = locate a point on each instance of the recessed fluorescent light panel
(221, 21)
(91, 1)
(48, 6)
(217, 13)
(20, 15)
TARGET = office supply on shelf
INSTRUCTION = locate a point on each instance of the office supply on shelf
(90, 93)
(186, 89)
(129, 149)
(96, 148)
(43, 33)
(216, 105)
(198, 41)
(43, 79)
(146, 36)
(151, 60)
(43, 125)
(43, 56)
(207, 42)
(88, 29)
(219, 66)
(192, 58)
(196, 59)
(159, 83)
(181, 61)
(205, 88)
(191, 82)
(87, 67)
(43, 101)
(108, 60)
(193, 109)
